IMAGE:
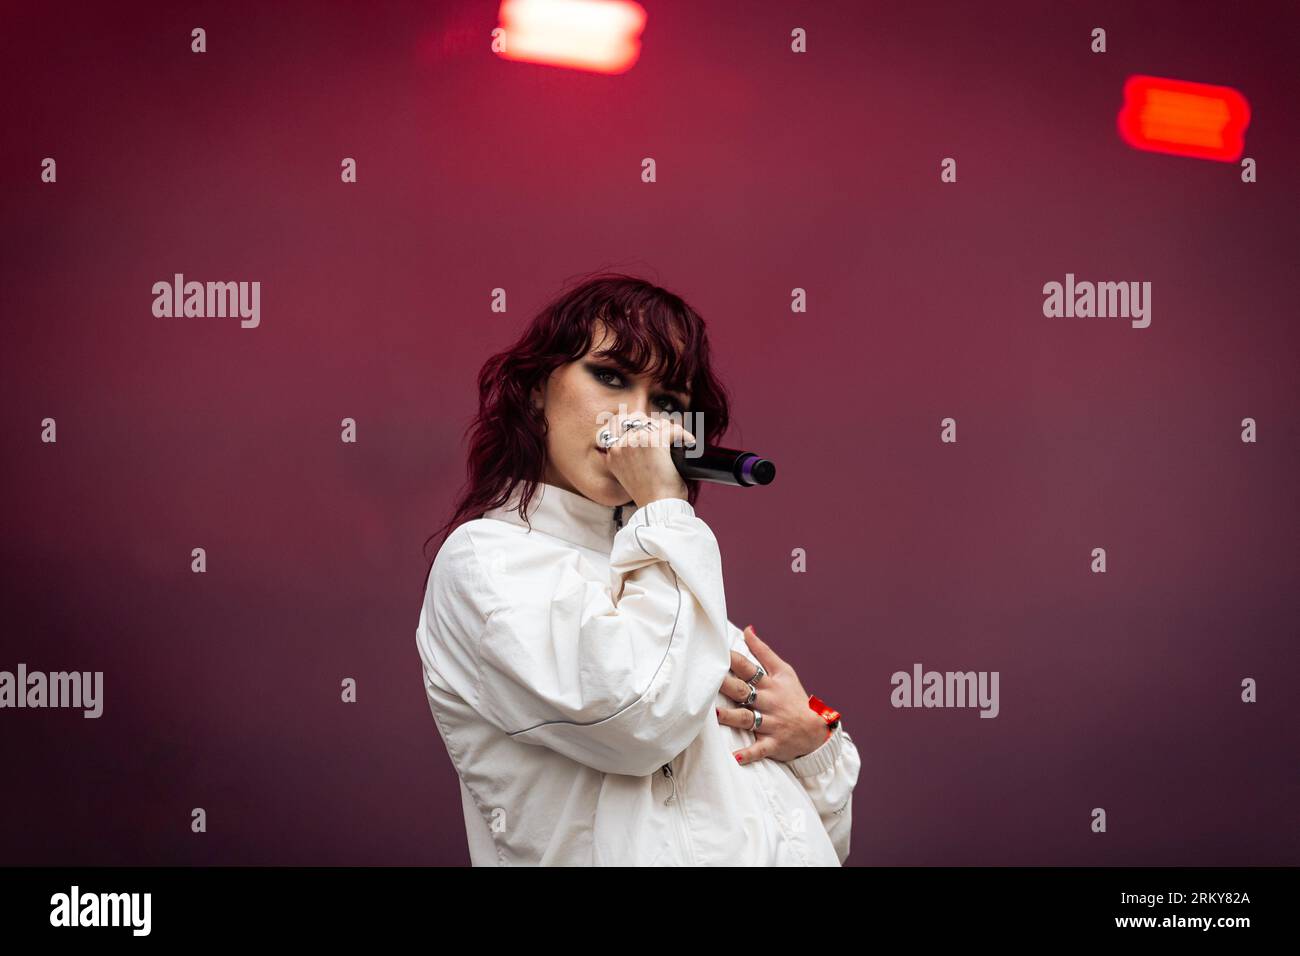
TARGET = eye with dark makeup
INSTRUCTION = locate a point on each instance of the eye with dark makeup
(601, 371)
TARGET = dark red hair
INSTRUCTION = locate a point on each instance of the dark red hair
(653, 332)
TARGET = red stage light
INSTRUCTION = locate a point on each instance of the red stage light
(596, 35)
(1183, 118)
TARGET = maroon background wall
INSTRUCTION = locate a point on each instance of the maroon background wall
(775, 171)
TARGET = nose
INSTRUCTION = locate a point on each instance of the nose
(635, 400)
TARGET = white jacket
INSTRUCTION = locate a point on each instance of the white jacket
(573, 672)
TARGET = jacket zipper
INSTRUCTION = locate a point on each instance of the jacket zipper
(684, 831)
(667, 769)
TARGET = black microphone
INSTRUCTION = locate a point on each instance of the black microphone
(726, 466)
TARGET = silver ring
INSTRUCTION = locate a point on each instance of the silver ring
(758, 675)
(606, 440)
(749, 701)
(758, 720)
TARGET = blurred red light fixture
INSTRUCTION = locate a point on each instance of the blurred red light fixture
(601, 36)
(1183, 118)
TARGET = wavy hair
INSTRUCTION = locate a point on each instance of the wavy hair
(654, 332)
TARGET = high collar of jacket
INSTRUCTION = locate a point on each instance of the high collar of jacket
(566, 515)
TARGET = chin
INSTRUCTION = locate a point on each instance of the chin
(603, 488)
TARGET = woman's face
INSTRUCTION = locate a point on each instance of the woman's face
(578, 400)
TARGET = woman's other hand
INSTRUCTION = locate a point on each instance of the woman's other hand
(790, 727)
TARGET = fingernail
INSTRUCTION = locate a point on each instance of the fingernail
(717, 712)
(738, 760)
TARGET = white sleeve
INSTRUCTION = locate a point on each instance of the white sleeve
(620, 678)
(828, 774)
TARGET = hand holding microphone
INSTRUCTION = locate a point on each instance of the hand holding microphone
(639, 450)
(727, 466)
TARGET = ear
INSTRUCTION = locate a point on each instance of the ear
(538, 398)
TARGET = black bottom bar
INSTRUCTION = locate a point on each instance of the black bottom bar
(242, 904)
